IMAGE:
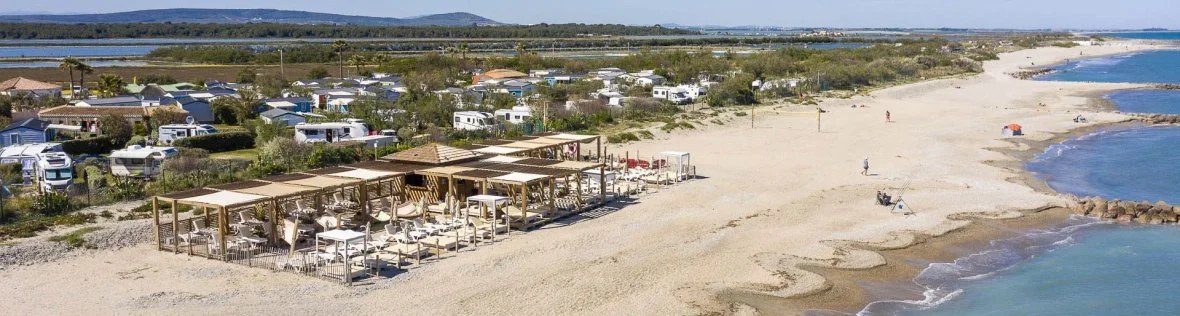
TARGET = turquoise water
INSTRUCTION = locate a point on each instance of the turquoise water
(1128, 163)
(1147, 101)
(1169, 35)
(1088, 268)
(1159, 66)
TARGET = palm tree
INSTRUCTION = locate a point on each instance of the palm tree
(451, 51)
(340, 46)
(68, 65)
(358, 61)
(111, 85)
(464, 50)
(82, 69)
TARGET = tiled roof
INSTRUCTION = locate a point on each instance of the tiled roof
(22, 83)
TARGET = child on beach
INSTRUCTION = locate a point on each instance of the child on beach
(887, 118)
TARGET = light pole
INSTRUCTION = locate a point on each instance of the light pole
(282, 71)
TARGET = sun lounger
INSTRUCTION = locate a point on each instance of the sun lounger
(247, 218)
(246, 234)
(407, 250)
(441, 242)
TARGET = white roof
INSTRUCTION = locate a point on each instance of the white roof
(225, 198)
(363, 174)
(341, 235)
(503, 159)
(281, 104)
(341, 101)
(519, 177)
(29, 149)
(322, 125)
(499, 150)
(573, 137)
(674, 153)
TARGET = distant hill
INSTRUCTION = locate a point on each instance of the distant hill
(229, 16)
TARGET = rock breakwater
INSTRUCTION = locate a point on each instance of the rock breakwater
(1127, 211)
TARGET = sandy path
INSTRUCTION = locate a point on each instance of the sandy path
(772, 194)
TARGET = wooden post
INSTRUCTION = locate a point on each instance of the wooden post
(175, 228)
(224, 226)
(156, 220)
(274, 222)
(553, 195)
(364, 200)
(524, 209)
(599, 141)
(578, 177)
(602, 185)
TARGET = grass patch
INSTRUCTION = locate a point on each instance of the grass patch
(645, 134)
(74, 239)
(30, 227)
(247, 154)
(740, 113)
(669, 127)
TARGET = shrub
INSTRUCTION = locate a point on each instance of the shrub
(52, 203)
(622, 138)
(93, 146)
(11, 173)
(220, 142)
(1065, 44)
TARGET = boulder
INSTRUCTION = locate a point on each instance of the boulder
(1099, 207)
(1155, 220)
(1142, 219)
(1125, 218)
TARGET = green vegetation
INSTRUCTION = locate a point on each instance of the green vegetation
(1065, 44)
(220, 142)
(75, 238)
(273, 30)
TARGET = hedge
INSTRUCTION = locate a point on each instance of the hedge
(92, 146)
(215, 143)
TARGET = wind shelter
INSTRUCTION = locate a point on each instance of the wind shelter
(205, 199)
(342, 241)
(522, 180)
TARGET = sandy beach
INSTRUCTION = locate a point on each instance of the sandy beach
(773, 198)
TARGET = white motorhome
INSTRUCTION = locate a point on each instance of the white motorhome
(330, 132)
(474, 120)
(27, 156)
(55, 171)
(140, 162)
(675, 94)
(172, 132)
(515, 115)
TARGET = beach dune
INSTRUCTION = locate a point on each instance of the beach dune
(772, 197)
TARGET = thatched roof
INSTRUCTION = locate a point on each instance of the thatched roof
(433, 154)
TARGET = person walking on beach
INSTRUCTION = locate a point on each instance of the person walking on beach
(887, 118)
(865, 172)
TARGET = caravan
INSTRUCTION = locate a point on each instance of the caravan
(474, 121)
(55, 171)
(28, 156)
(677, 95)
(138, 161)
(515, 115)
(172, 132)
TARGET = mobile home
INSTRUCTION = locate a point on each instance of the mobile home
(27, 156)
(675, 94)
(330, 132)
(172, 132)
(55, 171)
(515, 115)
(140, 162)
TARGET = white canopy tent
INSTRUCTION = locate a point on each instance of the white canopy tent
(683, 162)
(342, 240)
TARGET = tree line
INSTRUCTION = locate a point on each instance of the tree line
(274, 30)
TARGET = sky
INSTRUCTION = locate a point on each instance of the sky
(1023, 14)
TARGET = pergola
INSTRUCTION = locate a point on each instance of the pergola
(489, 165)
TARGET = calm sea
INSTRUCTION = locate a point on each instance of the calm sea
(1159, 66)
(1082, 266)
(1166, 35)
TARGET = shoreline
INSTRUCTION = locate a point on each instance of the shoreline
(846, 293)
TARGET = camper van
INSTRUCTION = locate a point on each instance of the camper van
(27, 156)
(675, 94)
(474, 121)
(55, 171)
(139, 161)
(330, 132)
(172, 132)
(515, 115)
